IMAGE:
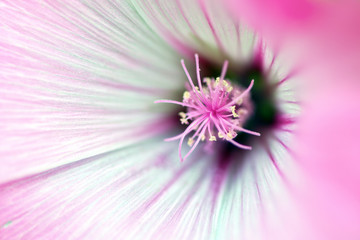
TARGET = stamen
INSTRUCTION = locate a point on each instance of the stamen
(184, 121)
(182, 114)
(232, 108)
(216, 107)
(229, 136)
(183, 118)
(220, 135)
(186, 95)
(198, 71)
(212, 139)
(190, 142)
(224, 68)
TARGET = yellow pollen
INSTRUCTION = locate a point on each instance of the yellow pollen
(203, 137)
(182, 114)
(240, 101)
(232, 108)
(229, 136)
(184, 121)
(217, 81)
(212, 138)
(220, 135)
(197, 89)
(186, 95)
(190, 142)
(208, 81)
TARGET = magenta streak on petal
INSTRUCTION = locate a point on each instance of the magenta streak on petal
(187, 20)
(137, 214)
(270, 66)
(127, 87)
(77, 29)
(142, 33)
(172, 223)
(51, 172)
(261, 206)
(219, 43)
(217, 183)
(238, 38)
(283, 121)
(255, 174)
(288, 149)
(29, 211)
(286, 78)
(181, 47)
(272, 158)
(285, 129)
(165, 14)
(290, 102)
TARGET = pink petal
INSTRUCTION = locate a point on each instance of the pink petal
(323, 38)
(74, 84)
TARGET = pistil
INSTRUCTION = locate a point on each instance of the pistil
(215, 109)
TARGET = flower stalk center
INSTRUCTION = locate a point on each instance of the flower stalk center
(215, 111)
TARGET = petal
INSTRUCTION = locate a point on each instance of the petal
(324, 33)
(92, 198)
(149, 196)
(77, 83)
(324, 41)
(87, 83)
(333, 163)
(201, 26)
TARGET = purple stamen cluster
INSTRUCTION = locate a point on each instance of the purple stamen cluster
(217, 110)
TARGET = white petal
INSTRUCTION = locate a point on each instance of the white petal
(77, 79)
(201, 26)
(151, 196)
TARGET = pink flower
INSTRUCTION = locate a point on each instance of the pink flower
(323, 38)
(82, 153)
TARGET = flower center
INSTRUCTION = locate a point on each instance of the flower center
(215, 111)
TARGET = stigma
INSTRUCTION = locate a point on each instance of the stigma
(215, 110)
